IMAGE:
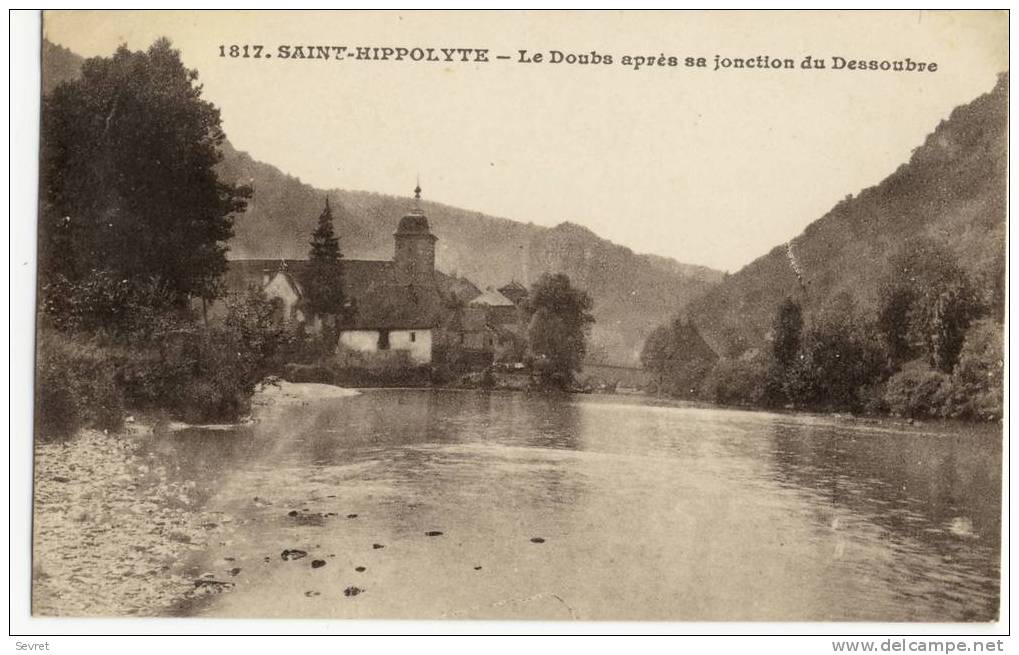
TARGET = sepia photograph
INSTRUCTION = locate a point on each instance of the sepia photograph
(560, 316)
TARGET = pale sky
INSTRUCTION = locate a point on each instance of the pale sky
(709, 167)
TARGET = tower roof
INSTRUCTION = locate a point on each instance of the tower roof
(414, 221)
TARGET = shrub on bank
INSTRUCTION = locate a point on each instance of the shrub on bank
(352, 368)
(917, 391)
(979, 375)
(973, 391)
(172, 366)
(308, 373)
(76, 386)
(413, 376)
(205, 374)
(736, 382)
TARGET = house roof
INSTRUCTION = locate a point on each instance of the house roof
(389, 306)
(492, 298)
(381, 297)
(514, 291)
(466, 319)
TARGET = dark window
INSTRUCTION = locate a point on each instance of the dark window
(413, 337)
(383, 339)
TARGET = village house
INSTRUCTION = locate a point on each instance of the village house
(400, 305)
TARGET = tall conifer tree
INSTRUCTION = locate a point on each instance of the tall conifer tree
(324, 283)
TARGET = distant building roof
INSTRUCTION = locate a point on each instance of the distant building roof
(467, 319)
(514, 291)
(492, 298)
(513, 285)
(381, 297)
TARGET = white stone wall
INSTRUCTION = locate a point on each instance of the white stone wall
(366, 341)
(417, 342)
(279, 287)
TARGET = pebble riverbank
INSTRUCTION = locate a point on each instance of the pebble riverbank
(111, 527)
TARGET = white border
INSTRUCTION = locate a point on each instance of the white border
(24, 111)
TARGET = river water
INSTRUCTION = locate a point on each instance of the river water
(592, 507)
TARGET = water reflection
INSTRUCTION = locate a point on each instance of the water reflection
(648, 510)
(929, 501)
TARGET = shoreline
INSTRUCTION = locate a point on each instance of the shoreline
(901, 421)
(95, 492)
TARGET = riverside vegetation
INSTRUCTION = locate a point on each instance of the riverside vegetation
(134, 226)
(892, 302)
(934, 350)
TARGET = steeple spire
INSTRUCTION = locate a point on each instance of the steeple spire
(417, 193)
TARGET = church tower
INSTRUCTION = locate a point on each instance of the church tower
(414, 252)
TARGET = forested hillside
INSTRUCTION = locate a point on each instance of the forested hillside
(632, 292)
(952, 190)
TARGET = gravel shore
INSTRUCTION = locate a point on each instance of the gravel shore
(111, 528)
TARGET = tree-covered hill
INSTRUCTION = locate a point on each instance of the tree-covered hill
(952, 190)
(632, 292)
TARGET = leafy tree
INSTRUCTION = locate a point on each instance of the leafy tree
(559, 316)
(324, 281)
(918, 391)
(679, 357)
(894, 321)
(974, 390)
(840, 355)
(101, 302)
(737, 381)
(787, 330)
(127, 176)
(927, 303)
(979, 376)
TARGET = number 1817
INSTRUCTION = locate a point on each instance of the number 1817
(241, 51)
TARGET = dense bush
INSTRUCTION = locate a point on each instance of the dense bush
(559, 318)
(840, 355)
(127, 176)
(76, 386)
(382, 361)
(102, 302)
(973, 391)
(678, 357)
(980, 373)
(918, 391)
(167, 365)
(452, 363)
(209, 373)
(308, 373)
(386, 368)
(736, 381)
(927, 302)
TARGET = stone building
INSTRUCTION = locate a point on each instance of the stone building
(396, 305)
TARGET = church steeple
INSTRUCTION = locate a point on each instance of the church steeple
(414, 251)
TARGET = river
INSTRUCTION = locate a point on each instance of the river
(591, 507)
